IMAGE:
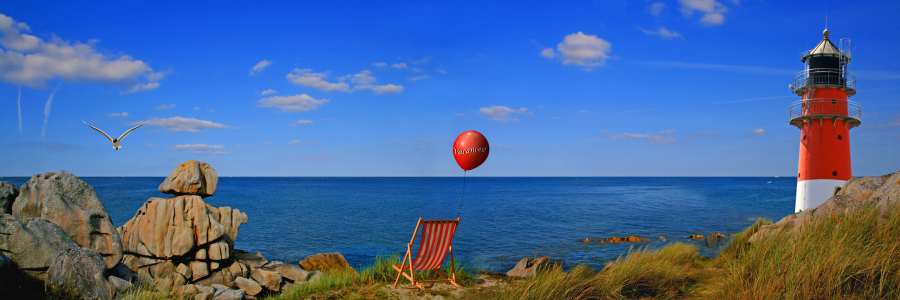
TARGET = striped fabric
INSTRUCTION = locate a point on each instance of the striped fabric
(436, 237)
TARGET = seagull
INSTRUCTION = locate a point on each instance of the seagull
(115, 142)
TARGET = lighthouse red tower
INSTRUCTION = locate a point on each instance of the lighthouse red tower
(825, 118)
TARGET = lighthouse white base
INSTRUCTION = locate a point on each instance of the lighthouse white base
(814, 192)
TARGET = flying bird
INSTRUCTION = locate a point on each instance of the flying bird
(115, 142)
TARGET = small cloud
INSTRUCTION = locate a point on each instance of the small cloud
(461, 114)
(500, 113)
(268, 143)
(584, 111)
(305, 77)
(399, 66)
(259, 67)
(652, 138)
(387, 89)
(292, 103)
(116, 115)
(294, 142)
(712, 10)
(656, 8)
(417, 78)
(417, 70)
(164, 107)
(380, 64)
(579, 49)
(142, 87)
(318, 157)
(196, 107)
(182, 124)
(702, 133)
(200, 148)
(540, 107)
(756, 132)
(269, 91)
(662, 32)
(442, 71)
(301, 122)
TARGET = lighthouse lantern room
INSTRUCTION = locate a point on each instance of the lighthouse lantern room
(825, 117)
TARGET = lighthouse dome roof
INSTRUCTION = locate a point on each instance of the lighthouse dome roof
(824, 48)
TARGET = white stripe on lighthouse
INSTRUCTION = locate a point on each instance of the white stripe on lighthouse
(813, 192)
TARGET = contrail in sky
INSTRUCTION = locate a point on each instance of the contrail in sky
(19, 101)
(47, 111)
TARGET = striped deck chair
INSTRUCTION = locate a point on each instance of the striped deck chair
(433, 248)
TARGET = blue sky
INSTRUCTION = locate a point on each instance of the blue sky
(328, 88)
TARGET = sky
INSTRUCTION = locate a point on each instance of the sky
(337, 88)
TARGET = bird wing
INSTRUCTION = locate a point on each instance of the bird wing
(132, 129)
(98, 130)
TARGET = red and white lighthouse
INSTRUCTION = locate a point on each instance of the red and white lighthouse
(825, 117)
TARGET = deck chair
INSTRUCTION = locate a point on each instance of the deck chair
(433, 248)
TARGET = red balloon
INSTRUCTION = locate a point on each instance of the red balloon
(470, 149)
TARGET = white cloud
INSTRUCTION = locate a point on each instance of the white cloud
(662, 32)
(399, 66)
(380, 64)
(442, 71)
(652, 138)
(292, 103)
(196, 107)
(269, 91)
(417, 70)
(710, 133)
(712, 10)
(364, 78)
(581, 49)
(259, 67)
(294, 142)
(302, 122)
(163, 106)
(31, 61)
(387, 89)
(182, 124)
(656, 8)
(305, 77)
(756, 132)
(142, 87)
(500, 113)
(201, 148)
(116, 115)
(417, 78)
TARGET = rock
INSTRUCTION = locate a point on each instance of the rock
(715, 240)
(252, 287)
(35, 245)
(662, 237)
(528, 267)
(191, 178)
(199, 269)
(629, 239)
(206, 289)
(9, 275)
(314, 277)
(173, 227)
(188, 290)
(252, 260)
(8, 193)
(633, 239)
(204, 296)
(585, 241)
(273, 263)
(122, 271)
(82, 271)
(184, 270)
(162, 270)
(65, 200)
(696, 236)
(267, 278)
(287, 287)
(325, 262)
(230, 295)
(121, 285)
(292, 272)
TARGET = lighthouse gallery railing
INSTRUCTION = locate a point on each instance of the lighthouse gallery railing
(824, 77)
(828, 108)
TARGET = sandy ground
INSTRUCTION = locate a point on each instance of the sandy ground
(446, 291)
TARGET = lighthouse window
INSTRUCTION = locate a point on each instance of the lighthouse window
(804, 137)
(839, 137)
(834, 173)
(832, 101)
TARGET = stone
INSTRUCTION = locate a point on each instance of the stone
(188, 290)
(585, 241)
(35, 245)
(8, 193)
(63, 199)
(199, 269)
(162, 270)
(252, 287)
(633, 239)
(287, 287)
(213, 266)
(185, 271)
(191, 178)
(269, 279)
(314, 277)
(292, 272)
(9, 276)
(173, 227)
(325, 262)
(252, 260)
(206, 289)
(230, 295)
(204, 296)
(696, 236)
(715, 240)
(123, 272)
(528, 267)
(201, 254)
(273, 263)
(237, 269)
(82, 271)
(121, 285)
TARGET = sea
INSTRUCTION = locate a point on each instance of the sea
(502, 219)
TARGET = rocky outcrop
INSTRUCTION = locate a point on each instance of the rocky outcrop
(325, 262)
(8, 193)
(624, 239)
(191, 178)
(82, 271)
(883, 192)
(528, 267)
(65, 200)
(34, 245)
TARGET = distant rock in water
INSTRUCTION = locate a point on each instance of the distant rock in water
(624, 239)
(8, 193)
(715, 240)
(883, 192)
(65, 200)
(696, 236)
(191, 178)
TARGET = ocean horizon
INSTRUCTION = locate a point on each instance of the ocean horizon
(502, 219)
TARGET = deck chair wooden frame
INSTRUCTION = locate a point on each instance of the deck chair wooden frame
(434, 246)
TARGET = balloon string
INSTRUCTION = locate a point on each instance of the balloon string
(463, 195)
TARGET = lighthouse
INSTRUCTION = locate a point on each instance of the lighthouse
(824, 116)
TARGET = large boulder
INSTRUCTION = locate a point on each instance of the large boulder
(65, 200)
(32, 246)
(8, 193)
(528, 267)
(82, 271)
(191, 178)
(182, 226)
(883, 192)
(325, 262)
